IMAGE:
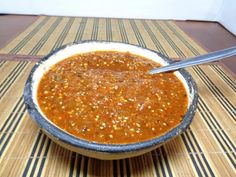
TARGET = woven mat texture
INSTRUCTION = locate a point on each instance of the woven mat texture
(207, 148)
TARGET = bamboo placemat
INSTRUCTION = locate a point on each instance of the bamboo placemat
(207, 148)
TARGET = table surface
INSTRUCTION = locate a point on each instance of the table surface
(207, 148)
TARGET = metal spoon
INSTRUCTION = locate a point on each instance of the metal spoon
(213, 56)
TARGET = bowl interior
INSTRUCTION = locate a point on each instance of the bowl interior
(71, 50)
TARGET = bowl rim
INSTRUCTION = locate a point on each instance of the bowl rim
(67, 138)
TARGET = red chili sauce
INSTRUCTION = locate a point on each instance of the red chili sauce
(109, 97)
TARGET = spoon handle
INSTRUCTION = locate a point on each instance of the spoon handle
(201, 59)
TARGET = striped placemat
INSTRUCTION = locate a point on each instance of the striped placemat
(207, 148)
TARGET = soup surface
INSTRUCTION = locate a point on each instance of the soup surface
(108, 97)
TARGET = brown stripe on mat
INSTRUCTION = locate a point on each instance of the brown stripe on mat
(13, 57)
(207, 148)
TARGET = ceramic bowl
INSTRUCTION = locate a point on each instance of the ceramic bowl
(92, 149)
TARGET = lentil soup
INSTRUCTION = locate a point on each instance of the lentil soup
(109, 97)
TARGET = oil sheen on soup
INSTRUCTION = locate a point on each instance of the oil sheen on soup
(109, 97)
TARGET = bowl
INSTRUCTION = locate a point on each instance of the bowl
(92, 149)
